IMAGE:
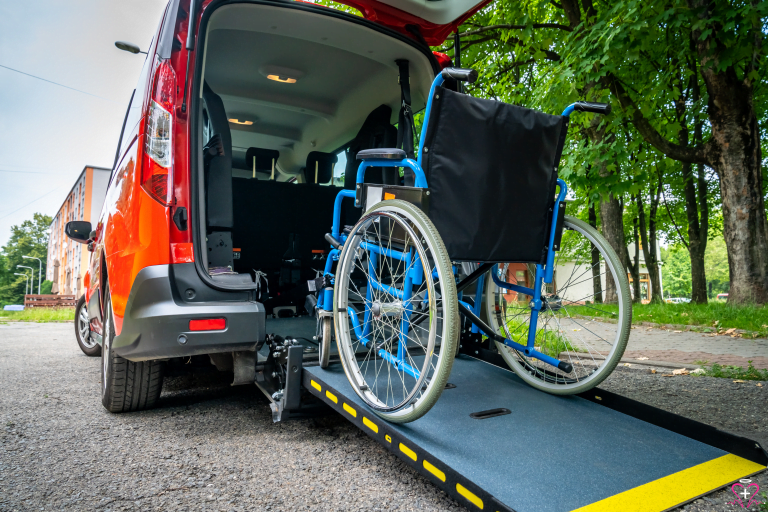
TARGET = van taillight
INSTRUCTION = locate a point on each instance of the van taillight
(157, 168)
(208, 324)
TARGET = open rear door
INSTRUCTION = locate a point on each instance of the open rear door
(434, 19)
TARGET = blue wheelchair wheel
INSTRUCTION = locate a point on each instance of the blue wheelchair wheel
(395, 311)
(585, 317)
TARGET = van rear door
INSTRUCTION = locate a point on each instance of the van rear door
(435, 19)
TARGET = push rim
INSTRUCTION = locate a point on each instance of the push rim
(395, 394)
(565, 329)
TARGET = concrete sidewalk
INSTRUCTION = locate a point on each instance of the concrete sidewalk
(688, 347)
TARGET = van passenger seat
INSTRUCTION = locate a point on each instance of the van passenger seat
(319, 169)
(262, 160)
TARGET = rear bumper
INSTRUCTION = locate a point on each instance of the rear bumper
(156, 317)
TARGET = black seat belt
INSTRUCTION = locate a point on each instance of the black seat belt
(405, 123)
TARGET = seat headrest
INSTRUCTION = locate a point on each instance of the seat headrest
(265, 158)
(319, 167)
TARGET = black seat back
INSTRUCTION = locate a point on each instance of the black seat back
(219, 173)
(319, 169)
(264, 160)
(376, 132)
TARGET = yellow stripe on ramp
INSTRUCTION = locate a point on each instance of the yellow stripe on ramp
(679, 487)
(331, 396)
(472, 497)
(432, 469)
(350, 410)
(315, 385)
(408, 451)
(371, 425)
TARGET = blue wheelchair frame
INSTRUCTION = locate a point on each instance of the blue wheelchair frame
(414, 273)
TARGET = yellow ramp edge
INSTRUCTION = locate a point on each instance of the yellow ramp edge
(408, 451)
(471, 497)
(371, 425)
(316, 385)
(670, 491)
(350, 410)
(432, 469)
(331, 396)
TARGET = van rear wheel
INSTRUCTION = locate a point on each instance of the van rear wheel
(126, 385)
(88, 345)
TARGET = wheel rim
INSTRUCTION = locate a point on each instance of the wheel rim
(385, 386)
(84, 328)
(563, 330)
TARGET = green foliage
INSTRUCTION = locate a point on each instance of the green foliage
(39, 315)
(45, 289)
(735, 372)
(676, 272)
(30, 238)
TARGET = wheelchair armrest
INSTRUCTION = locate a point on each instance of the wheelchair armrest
(385, 153)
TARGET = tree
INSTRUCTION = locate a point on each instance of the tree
(677, 272)
(30, 238)
(724, 48)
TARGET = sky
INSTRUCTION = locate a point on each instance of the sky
(49, 133)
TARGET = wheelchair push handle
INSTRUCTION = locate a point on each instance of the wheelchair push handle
(597, 108)
(460, 74)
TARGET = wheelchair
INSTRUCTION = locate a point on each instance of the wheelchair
(487, 210)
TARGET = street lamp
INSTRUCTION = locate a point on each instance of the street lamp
(26, 281)
(31, 276)
(39, 272)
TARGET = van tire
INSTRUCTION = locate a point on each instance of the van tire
(126, 386)
(87, 344)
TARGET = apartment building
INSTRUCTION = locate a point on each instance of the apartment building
(68, 260)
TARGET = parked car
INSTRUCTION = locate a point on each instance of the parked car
(677, 300)
(722, 296)
(223, 183)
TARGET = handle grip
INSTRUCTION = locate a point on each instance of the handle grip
(597, 108)
(460, 74)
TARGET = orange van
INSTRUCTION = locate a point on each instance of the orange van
(238, 137)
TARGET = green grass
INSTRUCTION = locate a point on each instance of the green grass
(735, 372)
(40, 315)
(548, 341)
(715, 316)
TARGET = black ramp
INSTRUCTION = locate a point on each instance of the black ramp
(549, 454)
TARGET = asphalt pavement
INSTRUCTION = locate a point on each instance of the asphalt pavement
(211, 446)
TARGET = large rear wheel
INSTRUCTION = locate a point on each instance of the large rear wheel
(395, 311)
(585, 318)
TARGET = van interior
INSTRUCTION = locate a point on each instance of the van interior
(288, 98)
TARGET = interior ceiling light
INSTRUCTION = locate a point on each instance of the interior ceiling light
(237, 121)
(280, 74)
(282, 79)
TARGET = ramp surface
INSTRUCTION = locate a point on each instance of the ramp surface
(549, 454)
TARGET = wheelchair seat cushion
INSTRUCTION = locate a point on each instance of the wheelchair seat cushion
(386, 153)
(492, 172)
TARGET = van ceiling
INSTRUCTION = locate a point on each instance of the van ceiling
(343, 70)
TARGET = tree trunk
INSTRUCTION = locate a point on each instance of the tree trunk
(650, 241)
(611, 219)
(634, 266)
(734, 152)
(597, 286)
(697, 243)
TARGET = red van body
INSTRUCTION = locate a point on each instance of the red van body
(142, 268)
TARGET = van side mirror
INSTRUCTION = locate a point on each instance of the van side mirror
(128, 47)
(78, 230)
